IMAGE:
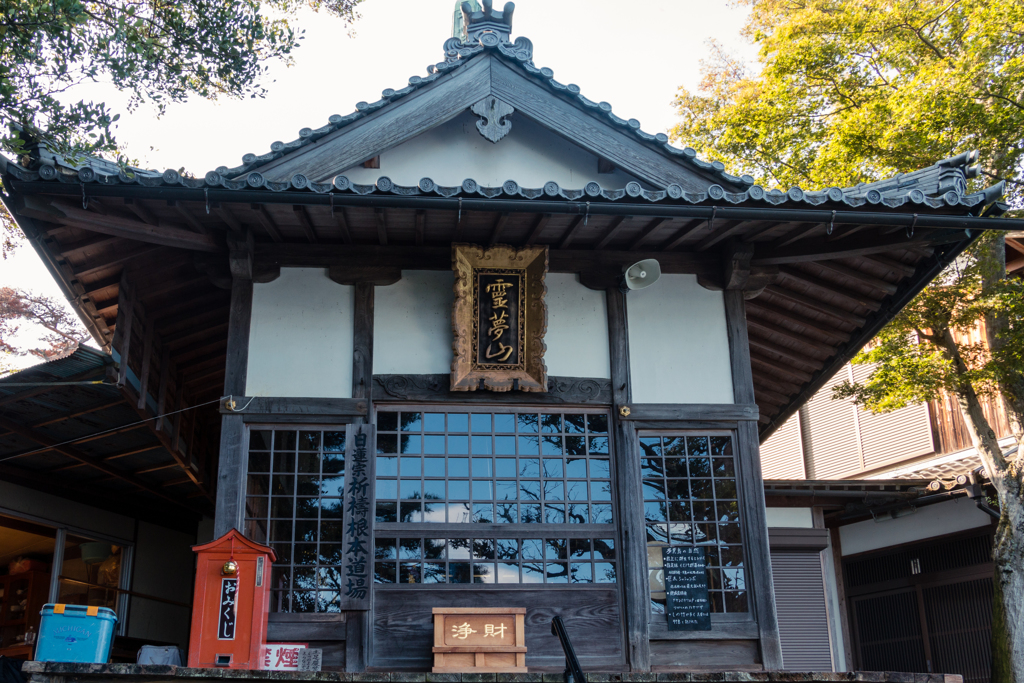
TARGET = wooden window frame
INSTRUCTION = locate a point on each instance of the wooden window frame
(724, 625)
(518, 530)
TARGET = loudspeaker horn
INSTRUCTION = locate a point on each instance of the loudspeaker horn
(642, 274)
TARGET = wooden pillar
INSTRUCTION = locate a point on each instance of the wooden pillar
(758, 558)
(359, 636)
(231, 470)
(635, 589)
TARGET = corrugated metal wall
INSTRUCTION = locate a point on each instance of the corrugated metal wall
(782, 455)
(904, 433)
(803, 619)
(830, 433)
(830, 439)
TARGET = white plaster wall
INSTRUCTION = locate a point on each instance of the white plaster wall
(300, 340)
(927, 522)
(412, 329)
(577, 337)
(678, 344)
(454, 151)
(790, 518)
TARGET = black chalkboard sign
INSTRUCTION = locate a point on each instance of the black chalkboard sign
(687, 607)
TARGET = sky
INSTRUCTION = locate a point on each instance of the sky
(633, 55)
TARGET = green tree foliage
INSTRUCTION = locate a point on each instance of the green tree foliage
(159, 51)
(856, 90)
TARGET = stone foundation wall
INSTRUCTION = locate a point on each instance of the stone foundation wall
(56, 672)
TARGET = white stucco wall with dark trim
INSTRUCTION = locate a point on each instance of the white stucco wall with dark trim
(678, 343)
(300, 338)
(454, 151)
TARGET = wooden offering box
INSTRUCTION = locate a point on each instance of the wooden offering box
(479, 640)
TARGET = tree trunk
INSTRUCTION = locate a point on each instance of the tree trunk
(1008, 548)
(1011, 386)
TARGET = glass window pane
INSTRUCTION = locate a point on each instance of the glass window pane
(412, 422)
(387, 422)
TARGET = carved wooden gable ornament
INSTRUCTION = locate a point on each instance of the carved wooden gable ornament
(499, 318)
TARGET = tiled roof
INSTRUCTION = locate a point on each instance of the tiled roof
(941, 185)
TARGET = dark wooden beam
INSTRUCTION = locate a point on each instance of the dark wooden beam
(96, 463)
(340, 215)
(817, 305)
(827, 333)
(903, 269)
(645, 234)
(147, 359)
(308, 407)
(117, 226)
(307, 225)
(499, 227)
(796, 234)
(611, 231)
(635, 587)
(125, 256)
(83, 247)
(229, 218)
(139, 209)
(765, 328)
(751, 487)
(844, 232)
(542, 222)
(126, 315)
(108, 457)
(230, 502)
(723, 412)
(833, 290)
(571, 231)
(724, 231)
(421, 226)
(186, 215)
(788, 354)
(382, 226)
(266, 221)
(689, 228)
(773, 367)
(437, 389)
(871, 281)
(821, 250)
(362, 342)
(190, 336)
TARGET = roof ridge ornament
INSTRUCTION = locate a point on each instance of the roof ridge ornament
(475, 31)
(476, 23)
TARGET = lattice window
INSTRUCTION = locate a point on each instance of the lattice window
(482, 467)
(690, 499)
(295, 483)
(495, 560)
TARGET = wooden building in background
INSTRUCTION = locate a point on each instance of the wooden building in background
(334, 285)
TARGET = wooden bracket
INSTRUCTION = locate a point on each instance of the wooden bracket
(240, 254)
(738, 273)
(381, 276)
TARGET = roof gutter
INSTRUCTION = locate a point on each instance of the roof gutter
(576, 208)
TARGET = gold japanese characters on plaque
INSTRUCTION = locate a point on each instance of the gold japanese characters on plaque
(499, 318)
(479, 640)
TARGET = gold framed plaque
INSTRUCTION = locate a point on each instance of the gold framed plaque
(499, 318)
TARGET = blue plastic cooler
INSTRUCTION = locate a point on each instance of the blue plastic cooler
(75, 633)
